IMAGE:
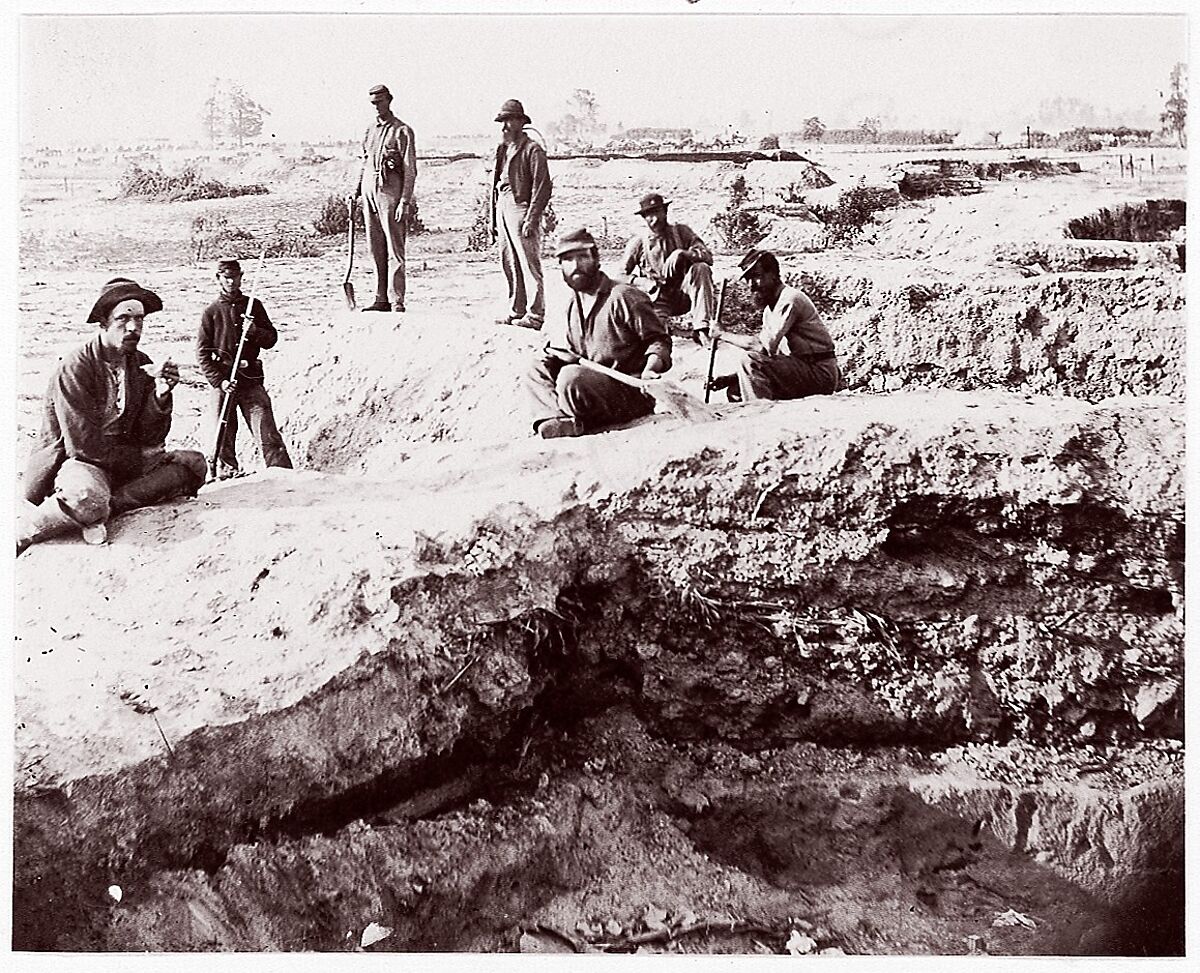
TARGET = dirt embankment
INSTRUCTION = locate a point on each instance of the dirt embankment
(490, 637)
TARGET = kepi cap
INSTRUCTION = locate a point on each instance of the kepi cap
(651, 201)
(379, 89)
(122, 289)
(228, 263)
(512, 109)
(574, 240)
(759, 261)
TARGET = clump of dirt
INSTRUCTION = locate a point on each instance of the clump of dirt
(1155, 219)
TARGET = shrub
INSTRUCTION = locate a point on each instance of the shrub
(737, 227)
(854, 210)
(334, 217)
(181, 187)
(212, 236)
(285, 240)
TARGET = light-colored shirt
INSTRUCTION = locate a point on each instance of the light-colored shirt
(390, 136)
(793, 326)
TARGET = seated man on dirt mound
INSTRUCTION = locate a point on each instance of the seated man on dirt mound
(608, 323)
(792, 356)
(672, 264)
(107, 412)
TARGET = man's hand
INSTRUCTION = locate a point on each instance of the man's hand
(166, 377)
(224, 386)
(526, 227)
(653, 368)
(562, 355)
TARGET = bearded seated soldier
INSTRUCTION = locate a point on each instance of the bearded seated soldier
(608, 323)
(106, 413)
(792, 356)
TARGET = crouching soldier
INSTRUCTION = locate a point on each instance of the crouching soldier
(216, 346)
(792, 356)
(107, 411)
(609, 323)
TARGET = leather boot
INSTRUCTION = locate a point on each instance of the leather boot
(44, 520)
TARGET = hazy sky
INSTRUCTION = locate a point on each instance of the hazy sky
(85, 77)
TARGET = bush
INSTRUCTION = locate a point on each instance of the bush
(212, 236)
(333, 219)
(181, 187)
(737, 227)
(854, 210)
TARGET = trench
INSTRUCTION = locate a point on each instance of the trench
(606, 760)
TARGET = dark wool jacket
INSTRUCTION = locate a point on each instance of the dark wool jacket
(528, 177)
(217, 340)
(73, 420)
(621, 330)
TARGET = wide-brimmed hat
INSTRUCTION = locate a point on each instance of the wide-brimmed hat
(574, 240)
(512, 109)
(759, 262)
(122, 289)
(652, 201)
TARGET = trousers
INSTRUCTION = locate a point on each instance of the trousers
(593, 401)
(386, 236)
(763, 376)
(521, 258)
(252, 400)
(687, 286)
(91, 495)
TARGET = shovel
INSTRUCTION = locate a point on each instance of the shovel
(347, 287)
(665, 393)
(712, 355)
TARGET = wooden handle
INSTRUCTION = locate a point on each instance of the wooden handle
(612, 373)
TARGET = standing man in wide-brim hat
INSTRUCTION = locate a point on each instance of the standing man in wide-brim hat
(386, 183)
(671, 263)
(520, 195)
(105, 417)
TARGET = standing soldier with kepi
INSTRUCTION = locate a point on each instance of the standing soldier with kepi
(106, 415)
(386, 183)
(520, 194)
(216, 346)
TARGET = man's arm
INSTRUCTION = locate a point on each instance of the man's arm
(632, 260)
(539, 191)
(410, 167)
(78, 414)
(689, 241)
(774, 332)
(262, 332)
(205, 346)
(650, 329)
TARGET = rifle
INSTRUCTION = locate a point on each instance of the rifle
(227, 400)
(712, 354)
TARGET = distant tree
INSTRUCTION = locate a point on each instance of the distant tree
(769, 142)
(995, 137)
(228, 110)
(245, 115)
(1174, 118)
(869, 127)
(814, 129)
(581, 124)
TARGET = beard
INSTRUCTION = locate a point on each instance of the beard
(582, 280)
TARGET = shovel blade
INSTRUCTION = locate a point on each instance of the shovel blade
(348, 290)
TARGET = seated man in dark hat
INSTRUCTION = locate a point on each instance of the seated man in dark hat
(609, 323)
(216, 345)
(672, 264)
(107, 411)
(792, 356)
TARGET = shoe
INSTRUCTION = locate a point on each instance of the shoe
(398, 307)
(558, 427)
(96, 533)
(379, 306)
(507, 319)
(534, 324)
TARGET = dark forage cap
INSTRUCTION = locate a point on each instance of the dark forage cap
(229, 264)
(651, 202)
(380, 89)
(574, 240)
(512, 109)
(122, 289)
(759, 262)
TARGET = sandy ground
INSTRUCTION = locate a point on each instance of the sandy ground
(74, 236)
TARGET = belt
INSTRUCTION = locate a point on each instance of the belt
(818, 356)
